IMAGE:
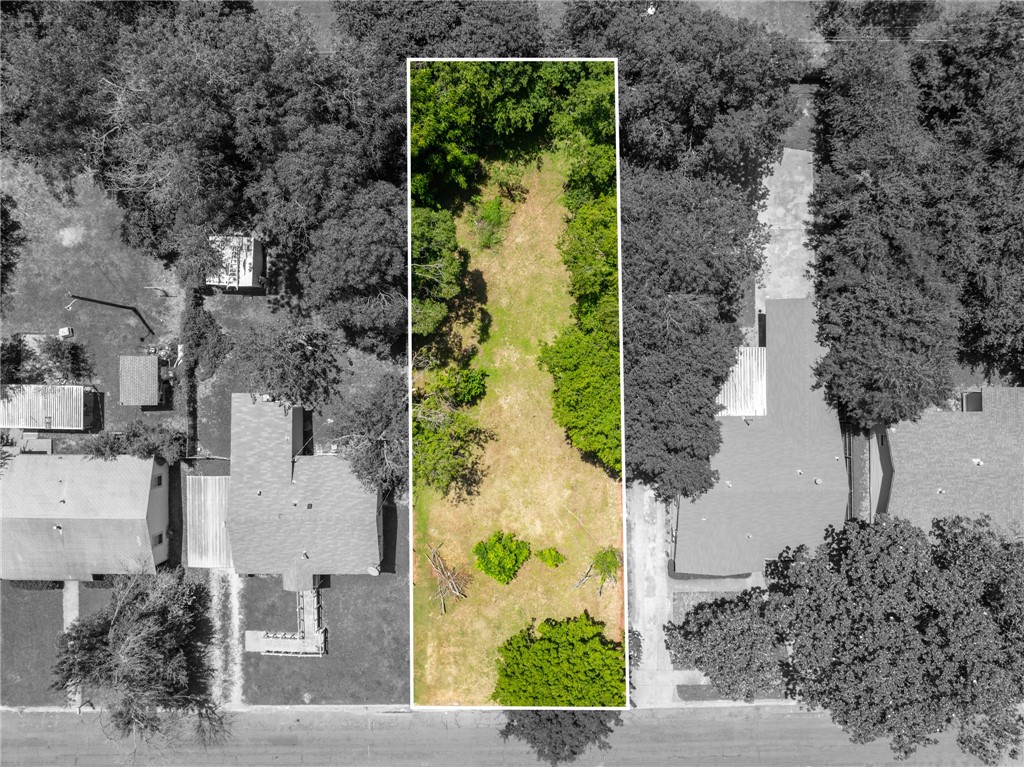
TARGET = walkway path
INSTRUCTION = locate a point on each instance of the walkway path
(70, 599)
(786, 212)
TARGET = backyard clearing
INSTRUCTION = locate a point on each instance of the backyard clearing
(76, 246)
(536, 484)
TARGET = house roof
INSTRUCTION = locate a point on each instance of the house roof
(66, 517)
(140, 380)
(745, 392)
(41, 406)
(938, 452)
(300, 516)
(762, 502)
(206, 506)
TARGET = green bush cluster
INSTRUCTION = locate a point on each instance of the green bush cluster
(460, 387)
(490, 219)
(561, 663)
(552, 557)
(501, 556)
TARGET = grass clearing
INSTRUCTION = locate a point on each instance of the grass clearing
(536, 484)
(30, 622)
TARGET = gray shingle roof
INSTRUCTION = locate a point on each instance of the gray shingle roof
(731, 530)
(99, 506)
(140, 380)
(298, 517)
(938, 451)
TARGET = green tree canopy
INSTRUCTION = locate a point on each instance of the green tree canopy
(293, 361)
(438, 268)
(900, 635)
(561, 663)
(144, 656)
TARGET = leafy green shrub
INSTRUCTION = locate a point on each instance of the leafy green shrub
(16, 360)
(460, 387)
(139, 439)
(67, 360)
(552, 557)
(204, 340)
(561, 663)
(490, 219)
(606, 564)
(446, 446)
(508, 177)
(501, 556)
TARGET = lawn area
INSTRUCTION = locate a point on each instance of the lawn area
(367, 622)
(535, 485)
(77, 246)
(30, 622)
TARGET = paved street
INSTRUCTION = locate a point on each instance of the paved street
(310, 736)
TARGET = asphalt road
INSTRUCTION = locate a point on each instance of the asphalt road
(770, 735)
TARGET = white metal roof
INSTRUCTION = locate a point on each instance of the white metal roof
(745, 393)
(42, 406)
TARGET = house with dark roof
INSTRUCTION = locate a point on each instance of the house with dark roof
(290, 512)
(965, 461)
(139, 380)
(782, 475)
(70, 517)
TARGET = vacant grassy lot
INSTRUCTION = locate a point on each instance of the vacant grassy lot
(30, 622)
(368, 639)
(536, 484)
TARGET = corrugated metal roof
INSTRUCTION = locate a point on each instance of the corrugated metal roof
(42, 406)
(745, 392)
(206, 504)
(69, 517)
(762, 501)
(140, 380)
(280, 507)
(938, 452)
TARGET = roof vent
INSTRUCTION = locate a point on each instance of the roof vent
(728, 484)
(817, 480)
(305, 555)
(800, 471)
(977, 462)
(309, 506)
(941, 491)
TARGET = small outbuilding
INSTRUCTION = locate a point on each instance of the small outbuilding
(49, 407)
(140, 380)
(244, 263)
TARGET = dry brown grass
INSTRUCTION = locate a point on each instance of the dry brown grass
(536, 483)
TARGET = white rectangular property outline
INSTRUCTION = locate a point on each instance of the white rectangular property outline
(622, 400)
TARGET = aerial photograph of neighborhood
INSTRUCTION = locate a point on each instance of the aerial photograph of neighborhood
(512, 382)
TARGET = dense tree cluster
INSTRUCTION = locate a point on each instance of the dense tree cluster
(899, 634)
(139, 439)
(11, 242)
(919, 262)
(703, 104)
(144, 656)
(561, 663)
(205, 118)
